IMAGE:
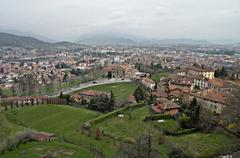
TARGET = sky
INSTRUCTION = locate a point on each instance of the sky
(156, 19)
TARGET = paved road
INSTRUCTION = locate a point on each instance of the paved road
(90, 84)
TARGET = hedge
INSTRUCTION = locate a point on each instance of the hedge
(114, 113)
(157, 117)
(182, 132)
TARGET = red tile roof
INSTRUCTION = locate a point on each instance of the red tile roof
(148, 80)
(165, 104)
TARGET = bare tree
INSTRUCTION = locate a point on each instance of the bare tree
(142, 148)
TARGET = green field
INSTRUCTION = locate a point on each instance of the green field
(133, 125)
(7, 128)
(204, 145)
(120, 90)
(55, 149)
(62, 120)
(50, 118)
(156, 77)
(65, 121)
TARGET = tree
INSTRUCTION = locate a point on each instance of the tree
(184, 121)
(142, 148)
(102, 103)
(230, 118)
(109, 75)
(139, 93)
(112, 101)
(177, 152)
(194, 111)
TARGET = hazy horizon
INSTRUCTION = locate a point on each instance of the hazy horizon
(152, 19)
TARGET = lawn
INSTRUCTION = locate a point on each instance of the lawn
(120, 90)
(61, 120)
(134, 125)
(156, 77)
(204, 145)
(55, 149)
(65, 121)
(7, 128)
(50, 118)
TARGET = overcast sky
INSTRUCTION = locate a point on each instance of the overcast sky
(69, 19)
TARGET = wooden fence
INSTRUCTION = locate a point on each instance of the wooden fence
(17, 102)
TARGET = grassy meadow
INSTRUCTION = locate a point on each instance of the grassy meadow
(121, 91)
(65, 122)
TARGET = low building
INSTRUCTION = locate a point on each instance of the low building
(199, 82)
(212, 100)
(219, 84)
(182, 72)
(205, 72)
(42, 136)
(164, 106)
(119, 71)
(132, 99)
(85, 96)
(149, 83)
(160, 94)
(180, 82)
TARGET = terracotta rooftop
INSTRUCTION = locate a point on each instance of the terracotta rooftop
(220, 83)
(148, 80)
(166, 104)
(198, 69)
(160, 94)
(177, 79)
(212, 95)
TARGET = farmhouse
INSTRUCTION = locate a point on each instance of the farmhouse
(164, 106)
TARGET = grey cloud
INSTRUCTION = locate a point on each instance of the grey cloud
(68, 19)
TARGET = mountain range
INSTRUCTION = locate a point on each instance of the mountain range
(7, 39)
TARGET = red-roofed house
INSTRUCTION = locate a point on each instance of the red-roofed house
(164, 106)
(149, 83)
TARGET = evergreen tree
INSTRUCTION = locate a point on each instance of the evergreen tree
(194, 109)
(139, 93)
(112, 101)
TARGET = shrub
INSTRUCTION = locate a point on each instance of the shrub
(114, 113)
(177, 152)
(184, 121)
(182, 132)
(14, 142)
(157, 117)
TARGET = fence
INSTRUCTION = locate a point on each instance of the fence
(17, 102)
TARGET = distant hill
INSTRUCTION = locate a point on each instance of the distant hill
(115, 39)
(106, 40)
(183, 42)
(7, 39)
